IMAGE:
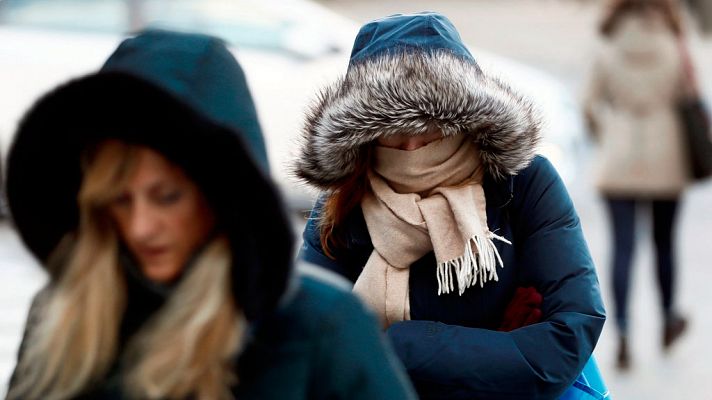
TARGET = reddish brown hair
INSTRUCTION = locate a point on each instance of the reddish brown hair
(341, 201)
(348, 195)
(618, 9)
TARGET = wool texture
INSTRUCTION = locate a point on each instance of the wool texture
(429, 199)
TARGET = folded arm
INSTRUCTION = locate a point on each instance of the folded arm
(538, 361)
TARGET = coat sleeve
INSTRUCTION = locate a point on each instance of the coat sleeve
(32, 320)
(311, 250)
(356, 360)
(534, 362)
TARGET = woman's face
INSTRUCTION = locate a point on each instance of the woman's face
(161, 216)
(401, 141)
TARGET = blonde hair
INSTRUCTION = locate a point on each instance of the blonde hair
(339, 203)
(186, 348)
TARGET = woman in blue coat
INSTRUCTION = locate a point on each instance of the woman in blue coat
(438, 210)
(143, 190)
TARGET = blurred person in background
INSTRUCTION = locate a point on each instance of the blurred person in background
(637, 80)
(168, 251)
(434, 204)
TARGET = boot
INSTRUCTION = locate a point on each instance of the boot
(623, 356)
(674, 327)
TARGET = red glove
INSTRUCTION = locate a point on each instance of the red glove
(523, 310)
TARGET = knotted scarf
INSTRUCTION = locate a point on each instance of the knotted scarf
(428, 199)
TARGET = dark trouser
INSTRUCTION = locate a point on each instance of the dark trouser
(622, 214)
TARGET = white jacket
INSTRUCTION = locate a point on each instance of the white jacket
(636, 83)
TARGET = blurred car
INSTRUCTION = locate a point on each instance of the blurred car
(288, 48)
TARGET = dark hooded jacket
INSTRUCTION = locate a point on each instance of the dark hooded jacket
(185, 96)
(408, 72)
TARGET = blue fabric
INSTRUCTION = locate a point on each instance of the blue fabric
(199, 70)
(450, 347)
(322, 345)
(622, 216)
(589, 385)
(427, 31)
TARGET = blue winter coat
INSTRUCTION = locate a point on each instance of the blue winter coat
(321, 344)
(450, 347)
(411, 74)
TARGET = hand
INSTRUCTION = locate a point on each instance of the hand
(523, 310)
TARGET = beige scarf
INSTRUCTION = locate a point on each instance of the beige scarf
(429, 199)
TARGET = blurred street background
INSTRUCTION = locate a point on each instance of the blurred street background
(543, 46)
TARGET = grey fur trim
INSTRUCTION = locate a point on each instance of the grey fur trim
(408, 93)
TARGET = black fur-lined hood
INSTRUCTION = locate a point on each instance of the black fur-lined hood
(185, 96)
(408, 73)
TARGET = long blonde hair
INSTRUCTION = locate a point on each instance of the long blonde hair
(186, 348)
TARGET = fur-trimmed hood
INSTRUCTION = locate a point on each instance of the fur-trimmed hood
(407, 74)
(185, 96)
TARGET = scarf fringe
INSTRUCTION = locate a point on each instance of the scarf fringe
(473, 266)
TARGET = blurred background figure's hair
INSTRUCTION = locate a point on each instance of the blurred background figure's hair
(617, 9)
